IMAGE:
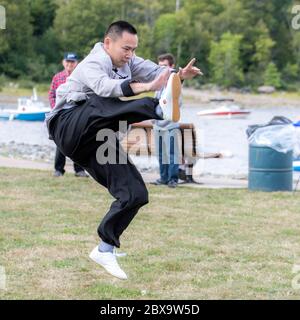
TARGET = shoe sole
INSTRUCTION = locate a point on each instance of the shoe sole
(158, 184)
(176, 91)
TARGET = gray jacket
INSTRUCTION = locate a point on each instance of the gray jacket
(95, 74)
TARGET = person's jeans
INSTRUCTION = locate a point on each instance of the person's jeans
(166, 142)
(60, 162)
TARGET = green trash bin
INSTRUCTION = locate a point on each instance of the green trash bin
(270, 170)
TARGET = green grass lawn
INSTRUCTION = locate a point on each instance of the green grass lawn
(187, 243)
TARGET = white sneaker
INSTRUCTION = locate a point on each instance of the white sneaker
(109, 262)
(169, 101)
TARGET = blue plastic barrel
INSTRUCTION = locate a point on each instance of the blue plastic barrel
(270, 170)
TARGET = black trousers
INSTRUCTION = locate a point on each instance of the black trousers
(75, 133)
(60, 162)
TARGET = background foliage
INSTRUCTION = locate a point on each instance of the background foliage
(236, 42)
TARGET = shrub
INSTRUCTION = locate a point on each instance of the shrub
(272, 76)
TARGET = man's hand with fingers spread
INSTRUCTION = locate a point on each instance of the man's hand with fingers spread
(155, 85)
(189, 71)
(160, 81)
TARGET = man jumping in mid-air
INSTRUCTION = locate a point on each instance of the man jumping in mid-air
(88, 102)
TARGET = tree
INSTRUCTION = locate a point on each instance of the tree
(272, 76)
(170, 34)
(296, 46)
(275, 15)
(224, 59)
(290, 73)
(42, 15)
(39, 31)
(79, 24)
(263, 46)
(16, 39)
(209, 19)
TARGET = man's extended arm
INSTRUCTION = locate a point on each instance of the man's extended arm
(154, 85)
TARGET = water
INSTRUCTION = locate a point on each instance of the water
(229, 137)
(218, 135)
(7, 105)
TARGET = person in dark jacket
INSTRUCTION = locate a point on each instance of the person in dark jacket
(69, 63)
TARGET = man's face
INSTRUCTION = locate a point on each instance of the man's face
(165, 63)
(69, 65)
(121, 49)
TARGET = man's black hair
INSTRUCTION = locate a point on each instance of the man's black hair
(116, 29)
(167, 56)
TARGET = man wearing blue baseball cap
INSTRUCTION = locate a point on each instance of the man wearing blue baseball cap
(69, 63)
(70, 56)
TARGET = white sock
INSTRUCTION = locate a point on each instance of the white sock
(105, 247)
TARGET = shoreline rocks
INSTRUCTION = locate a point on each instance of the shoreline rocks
(27, 151)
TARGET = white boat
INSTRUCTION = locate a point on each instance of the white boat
(225, 112)
(29, 109)
(296, 165)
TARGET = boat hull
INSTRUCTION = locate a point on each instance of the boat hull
(225, 115)
(24, 116)
(225, 112)
(296, 165)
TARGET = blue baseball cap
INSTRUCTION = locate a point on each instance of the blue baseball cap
(70, 56)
